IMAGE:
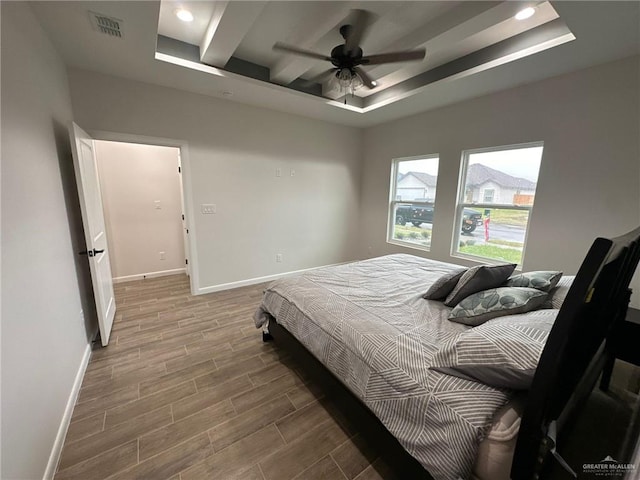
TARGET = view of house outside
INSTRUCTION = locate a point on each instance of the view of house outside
(500, 185)
(413, 199)
(494, 204)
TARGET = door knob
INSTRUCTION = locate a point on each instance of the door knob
(95, 252)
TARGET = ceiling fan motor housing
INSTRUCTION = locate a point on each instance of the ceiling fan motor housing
(342, 59)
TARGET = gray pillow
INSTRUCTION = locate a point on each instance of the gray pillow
(476, 279)
(496, 302)
(502, 353)
(443, 286)
(543, 280)
(557, 294)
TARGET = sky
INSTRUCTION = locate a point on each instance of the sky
(521, 162)
(427, 165)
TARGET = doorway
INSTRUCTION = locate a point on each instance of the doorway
(142, 194)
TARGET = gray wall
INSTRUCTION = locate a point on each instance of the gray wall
(589, 185)
(589, 182)
(44, 284)
(234, 151)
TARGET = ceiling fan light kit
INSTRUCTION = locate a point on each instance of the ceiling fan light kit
(348, 81)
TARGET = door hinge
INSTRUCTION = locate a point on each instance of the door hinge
(179, 169)
(182, 217)
(186, 261)
(187, 231)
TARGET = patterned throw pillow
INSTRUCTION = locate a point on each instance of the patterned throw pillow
(503, 353)
(476, 279)
(496, 302)
(543, 280)
(443, 286)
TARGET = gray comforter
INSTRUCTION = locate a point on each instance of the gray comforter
(369, 325)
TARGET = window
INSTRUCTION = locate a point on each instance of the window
(495, 199)
(488, 195)
(412, 201)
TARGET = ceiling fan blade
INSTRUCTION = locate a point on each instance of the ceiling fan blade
(366, 79)
(300, 51)
(393, 57)
(321, 77)
(359, 25)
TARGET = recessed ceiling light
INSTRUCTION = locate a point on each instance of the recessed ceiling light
(525, 13)
(184, 15)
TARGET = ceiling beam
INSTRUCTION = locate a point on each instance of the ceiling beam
(230, 22)
(441, 26)
(546, 36)
(308, 33)
(470, 27)
(466, 37)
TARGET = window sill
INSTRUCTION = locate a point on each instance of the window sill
(483, 260)
(414, 246)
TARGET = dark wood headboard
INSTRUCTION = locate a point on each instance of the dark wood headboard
(574, 354)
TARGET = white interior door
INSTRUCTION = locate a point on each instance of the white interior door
(84, 162)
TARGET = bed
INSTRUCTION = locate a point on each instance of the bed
(368, 324)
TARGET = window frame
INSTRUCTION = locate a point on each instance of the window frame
(461, 204)
(393, 202)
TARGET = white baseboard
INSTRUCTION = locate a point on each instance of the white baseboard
(253, 281)
(56, 451)
(142, 276)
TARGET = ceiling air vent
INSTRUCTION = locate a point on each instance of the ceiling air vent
(107, 25)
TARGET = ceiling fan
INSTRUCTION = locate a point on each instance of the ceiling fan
(348, 58)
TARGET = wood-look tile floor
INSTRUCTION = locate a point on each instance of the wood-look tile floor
(187, 390)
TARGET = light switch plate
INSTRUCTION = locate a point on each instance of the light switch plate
(208, 208)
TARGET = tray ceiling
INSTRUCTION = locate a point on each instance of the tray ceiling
(461, 38)
(472, 48)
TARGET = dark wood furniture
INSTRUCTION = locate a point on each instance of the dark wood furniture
(575, 353)
(628, 339)
(624, 344)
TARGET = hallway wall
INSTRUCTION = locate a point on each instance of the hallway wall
(140, 187)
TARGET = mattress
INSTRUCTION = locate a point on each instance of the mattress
(495, 451)
(369, 325)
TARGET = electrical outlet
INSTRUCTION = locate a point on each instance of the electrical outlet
(156, 204)
(292, 172)
(162, 256)
(279, 257)
(208, 208)
(278, 172)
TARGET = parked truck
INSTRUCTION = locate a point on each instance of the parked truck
(417, 214)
